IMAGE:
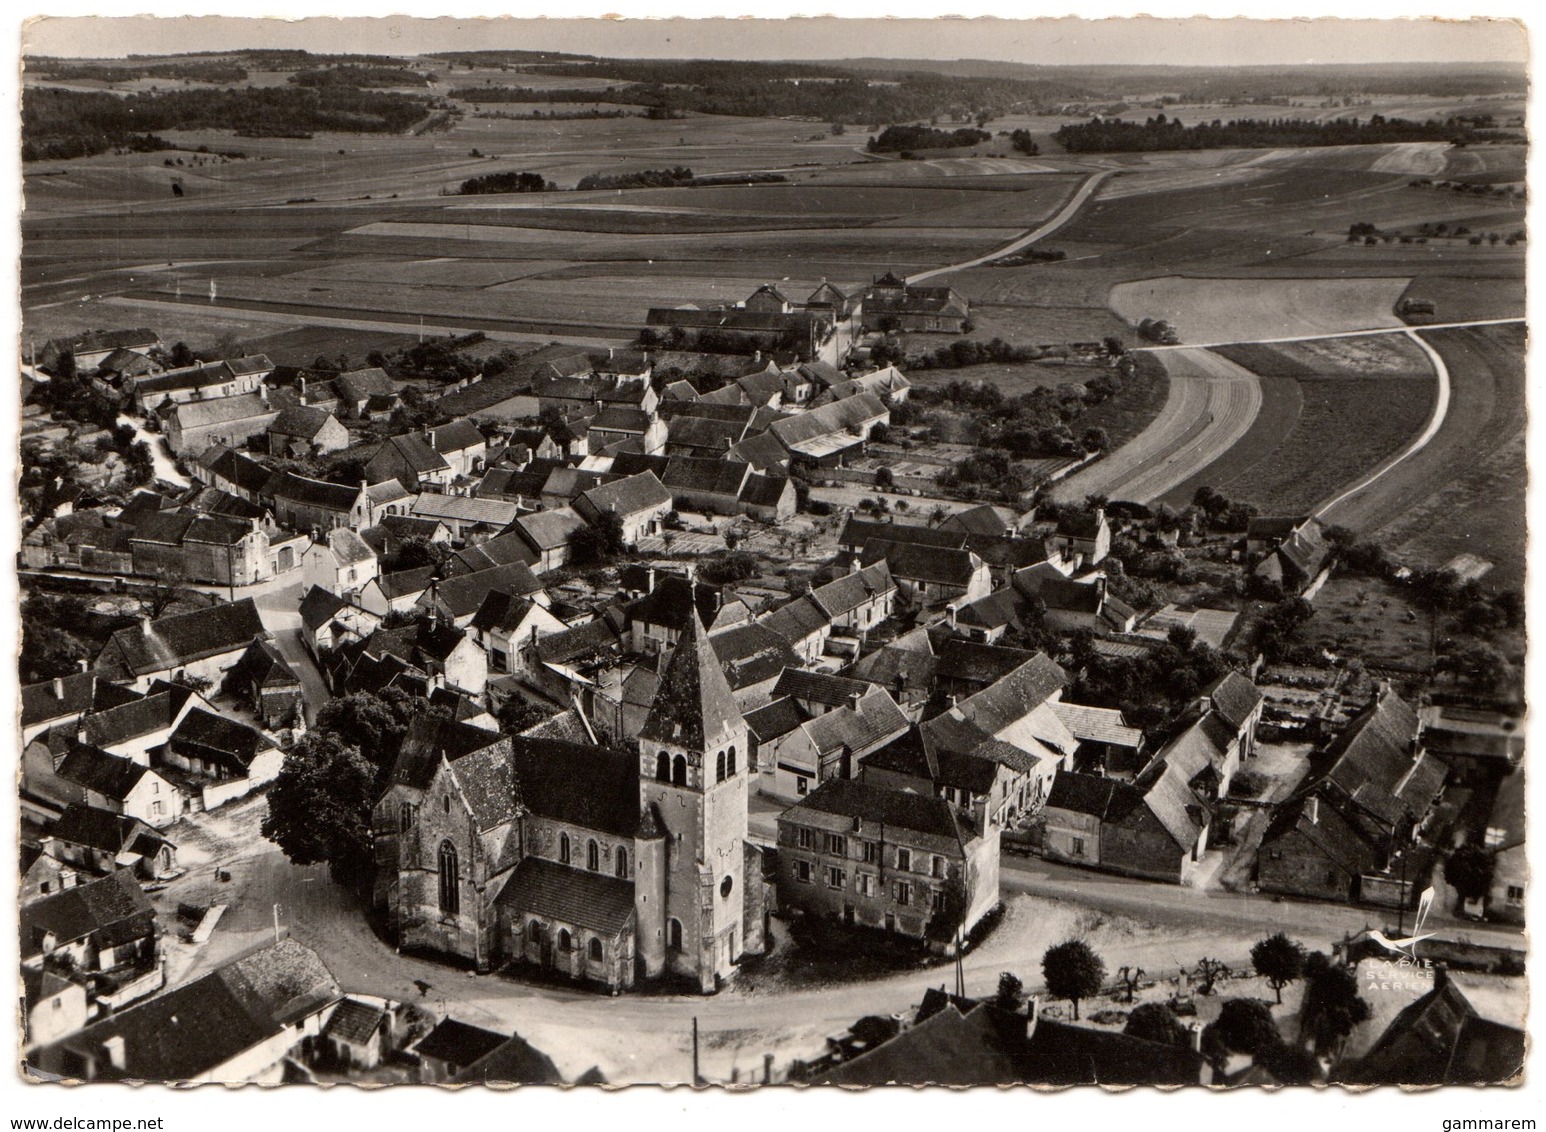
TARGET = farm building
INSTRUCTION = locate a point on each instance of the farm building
(193, 426)
(890, 304)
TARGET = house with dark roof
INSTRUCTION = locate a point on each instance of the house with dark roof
(870, 855)
(457, 598)
(1505, 838)
(501, 550)
(235, 1025)
(1349, 833)
(457, 1053)
(460, 443)
(65, 699)
(831, 739)
(1290, 552)
(1084, 536)
(467, 518)
(102, 842)
(858, 600)
(221, 759)
(340, 562)
(203, 643)
(904, 667)
(269, 685)
(823, 436)
(411, 462)
(102, 931)
(963, 1042)
(1440, 1039)
(119, 785)
(549, 535)
(931, 575)
(768, 498)
(1153, 827)
(300, 430)
(92, 348)
(193, 426)
(358, 389)
(397, 592)
(506, 626)
(891, 303)
(640, 502)
(802, 623)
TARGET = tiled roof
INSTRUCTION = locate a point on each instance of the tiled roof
(548, 530)
(222, 410)
(762, 451)
(694, 706)
(411, 452)
(500, 611)
(76, 694)
(181, 639)
(1015, 695)
(764, 491)
(97, 829)
(140, 716)
(844, 595)
(984, 519)
(238, 468)
(457, 436)
(630, 495)
(890, 666)
(501, 550)
(301, 421)
(1098, 724)
(971, 662)
(460, 508)
(362, 384)
(914, 562)
(313, 493)
(775, 719)
(670, 603)
(1234, 697)
(751, 653)
(798, 619)
(828, 419)
(995, 610)
(1070, 596)
(100, 772)
(113, 901)
(457, 1043)
(946, 1049)
(588, 900)
(355, 1022)
(875, 720)
(238, 743)
(402, 583)
(462, 594)
(719, 477)
(846, 797)
(819, 687)
(513, 1062)
(1373, 757)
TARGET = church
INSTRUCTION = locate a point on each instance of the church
(609, 866)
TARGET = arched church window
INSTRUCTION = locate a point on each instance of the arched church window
(679, 771)
(622, 863)
(563, 848)
(663, 767)
(719, 767)
(674, 935)
(595, 950)
(730, 761)
(592, 855)
(450, 892)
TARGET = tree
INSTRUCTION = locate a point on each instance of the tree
(1469, 871)
(319, 806)
(1156, 1022)
(1209, 971)
(1332, 1006)
(168, 585)
(1130, 977)
(415, 552)
(1095, 440)
(516, 715)
(1073, 971)
(1011, 991)
(374, 722)
(598, 542)
(1279, 960)
(1246, 1025)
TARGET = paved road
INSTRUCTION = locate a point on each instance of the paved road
(1336, 334)
(1060, 218)
(313, 687)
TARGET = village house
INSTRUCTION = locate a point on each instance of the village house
(829, 740)
(148, 389)
(341, 562)
(89, 350)
(328, 621)
(505, 624)
(457, 598)
(239, 1023)
(1287, 551)
(804, 625)
(928, 575)
(64, 699)
(868, 855)
(193, 426)
(1153, 827)
(101, 934)
(824, 436)
(549, 534)
(119, 785)
(1084, 536)
(891, 304)
(640, 503)
(1108, 744)
(267, 683)
(501, 550)
(52, 1006)
(397, 592)
(307, 504)
(467, 519)
(203, 643)
(101, 842)
(365, 393)
(860, 599)
(221, 759)
(300, 431)
(461, 444)
(1345, 834)
(411, 462)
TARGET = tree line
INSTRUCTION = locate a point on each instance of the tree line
(642, 179)
(506, 183)
(68, 123)
(897, 139)
(354, 76)
(1161, 133)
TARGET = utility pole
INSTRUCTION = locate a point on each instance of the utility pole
(697, 1081)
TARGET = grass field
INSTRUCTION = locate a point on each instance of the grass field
(1282, 403)
(1370, 618)
(1345, 427)
(1236, 310)
(1382, 355)
(1134, 409)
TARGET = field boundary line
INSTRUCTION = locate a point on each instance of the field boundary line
(1061, 217)
(1435, 422)
(1334, 334)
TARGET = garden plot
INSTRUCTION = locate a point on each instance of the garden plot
(1244, 310)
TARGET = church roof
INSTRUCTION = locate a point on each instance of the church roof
(694, 704)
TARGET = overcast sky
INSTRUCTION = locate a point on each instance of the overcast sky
(1215, 41)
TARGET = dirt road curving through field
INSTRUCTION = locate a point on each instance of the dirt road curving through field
(1212, 404)
(1060, 218)
(1327, 511)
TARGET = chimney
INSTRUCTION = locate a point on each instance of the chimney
(1312, 810)
(58, 688)
(853, 564)
(950, 701)
(263, 393)
(300, 384)
(1194, 1036)
(649, 580)
(429, 435)
(85, 665)
(853, 700)
(112, 1049)
(950, 615)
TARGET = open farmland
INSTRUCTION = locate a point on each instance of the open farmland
(1240, 310)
